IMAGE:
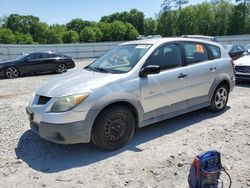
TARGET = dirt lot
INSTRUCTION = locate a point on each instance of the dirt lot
(158, 155)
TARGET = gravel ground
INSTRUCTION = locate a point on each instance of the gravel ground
(159, 155)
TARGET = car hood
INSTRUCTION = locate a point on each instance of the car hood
(75, 82)
(244, 61)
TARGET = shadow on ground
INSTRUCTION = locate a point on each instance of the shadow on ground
(48, 157)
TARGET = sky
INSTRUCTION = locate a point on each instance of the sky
(62, 11)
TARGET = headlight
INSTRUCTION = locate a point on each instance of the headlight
(67, 103)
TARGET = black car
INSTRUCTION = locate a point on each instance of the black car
(235, 51)
(36, 62)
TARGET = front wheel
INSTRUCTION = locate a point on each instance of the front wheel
(113, 128)
(220, 98)
(61, 68)
(11, 72)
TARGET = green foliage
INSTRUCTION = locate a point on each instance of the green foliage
(91, 34)
(217, 18)
(70, 37)
(23, 38)
(150, 26)
(78, 25)
(135, 17)
(131, 32)
(52, 37)
(106, 31)
(7, 36)
(220, 17)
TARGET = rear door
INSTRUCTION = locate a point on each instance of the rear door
(201, 71)
(167, 91)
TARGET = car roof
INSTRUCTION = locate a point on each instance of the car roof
(164, 40)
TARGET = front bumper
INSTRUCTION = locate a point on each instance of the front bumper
(242, 76)
(69, 133)
(62, 133)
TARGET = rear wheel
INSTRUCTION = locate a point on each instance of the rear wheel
(11, 72)
(61, 68)
(220, 98)
(113, 128)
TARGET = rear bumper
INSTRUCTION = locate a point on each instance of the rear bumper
(69, 133)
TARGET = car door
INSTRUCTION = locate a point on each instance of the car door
(201, 72)
(167, 91)
(30, 63)
(48, 63)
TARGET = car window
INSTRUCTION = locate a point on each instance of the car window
(34, 56)
(195, 53)
(239, 47)
(167, 56)
(44, 55)
(215, 51)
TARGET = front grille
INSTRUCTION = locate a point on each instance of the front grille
(244, 69)
(43, 100)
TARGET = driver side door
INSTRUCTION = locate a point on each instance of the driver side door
(165, 92)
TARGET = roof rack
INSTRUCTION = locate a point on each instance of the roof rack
(200, 37)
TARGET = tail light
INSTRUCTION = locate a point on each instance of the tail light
(232, 63)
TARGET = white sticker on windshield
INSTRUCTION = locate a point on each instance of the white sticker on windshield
(143, 46)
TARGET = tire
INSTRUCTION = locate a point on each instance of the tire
(113, 128)
(220, 98)
(61, 68)
(11, 72)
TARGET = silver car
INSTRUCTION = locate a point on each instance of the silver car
(133, 85)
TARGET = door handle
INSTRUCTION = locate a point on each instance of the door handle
(212, 69)
(182, 75)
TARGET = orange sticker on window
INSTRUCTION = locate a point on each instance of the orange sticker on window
(199, 48)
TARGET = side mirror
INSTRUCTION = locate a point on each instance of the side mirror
(150, 69)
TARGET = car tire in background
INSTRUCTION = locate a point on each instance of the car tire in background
(11, 72)
(113, 128)
(219, 99)
(61, 68)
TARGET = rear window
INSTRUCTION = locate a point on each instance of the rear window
(195, 53)
(215, 51)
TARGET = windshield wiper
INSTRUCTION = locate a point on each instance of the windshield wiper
(98, 69)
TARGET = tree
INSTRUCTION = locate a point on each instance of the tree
(118, 31)
(150, 26)
(135, 17)
(38, 32)
(106, 31)
(78, 25)
(52, 37)
(70, 37)
(168, 4)
(90, 34)
(7, 36)
(131, 32)
(222, 12)
(23, 38)
(22, 24)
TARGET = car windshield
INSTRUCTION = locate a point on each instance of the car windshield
(22, 57)
(227, 47)
(120, 59)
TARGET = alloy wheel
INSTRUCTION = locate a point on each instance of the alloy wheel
(12, 72)
(221, 98)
